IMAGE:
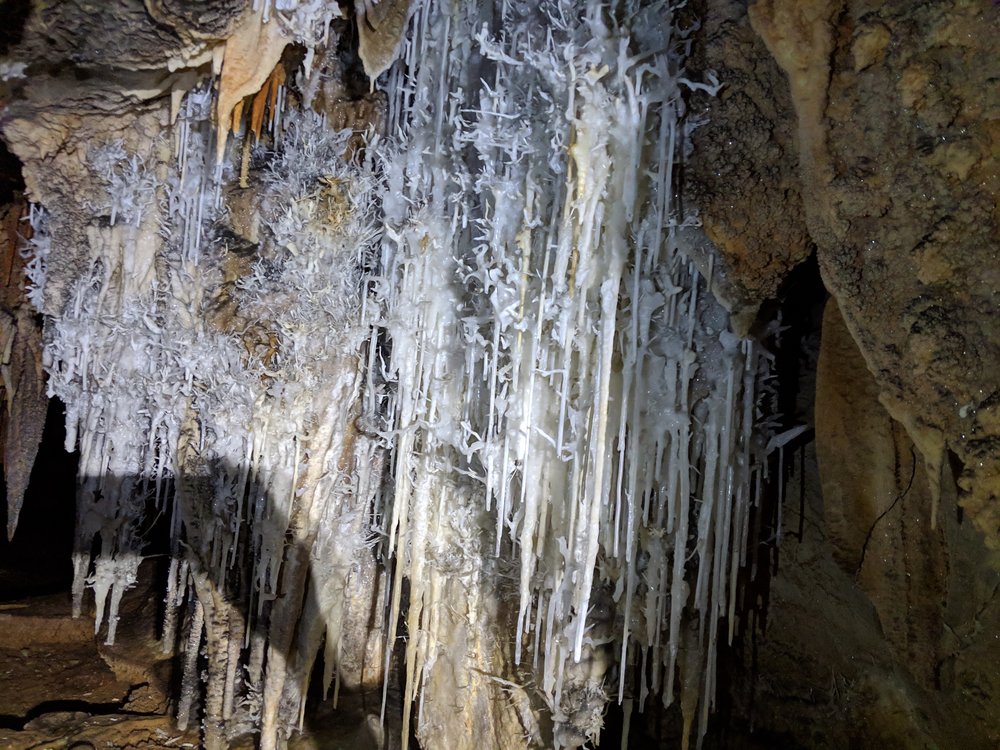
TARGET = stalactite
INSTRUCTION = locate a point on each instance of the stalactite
(554, 355)
(238, 377)
(23, 403)
(494, 296)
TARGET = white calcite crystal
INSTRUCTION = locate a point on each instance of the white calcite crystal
(464, 379)
(555, 356)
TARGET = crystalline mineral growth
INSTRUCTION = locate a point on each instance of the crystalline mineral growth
(567, 394)
(571, 424)
(214, 379)
(283, 452)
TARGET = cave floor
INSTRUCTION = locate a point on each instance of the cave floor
(61, 688)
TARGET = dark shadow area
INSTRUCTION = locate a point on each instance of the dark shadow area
(798, 308)
(37, 560)
(794, 340)
(11, 181)
(788, 405)
(67, 706)
(15, 15)
(36, 577)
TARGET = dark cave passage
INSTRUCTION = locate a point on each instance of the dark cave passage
(37, 560)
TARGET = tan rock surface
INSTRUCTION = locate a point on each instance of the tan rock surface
(898, 113)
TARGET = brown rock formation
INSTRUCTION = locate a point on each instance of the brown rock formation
(898, 167)
(743, 178)
(898, 113)
(881, 630)
(877, 504)
(22, 413)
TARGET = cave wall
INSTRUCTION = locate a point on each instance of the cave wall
(275, 333)
(897, 109)
(879, 120)
(743, 176)
(880, 132)
(932, 588)
(861, 132)
(880, 630)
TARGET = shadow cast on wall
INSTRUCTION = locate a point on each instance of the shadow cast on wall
(256, 622)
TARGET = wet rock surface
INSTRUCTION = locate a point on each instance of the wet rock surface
(883, 119)
(743, 175)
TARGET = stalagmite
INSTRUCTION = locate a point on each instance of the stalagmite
(470, 356)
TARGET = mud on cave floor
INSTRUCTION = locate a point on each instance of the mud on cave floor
(61, 688)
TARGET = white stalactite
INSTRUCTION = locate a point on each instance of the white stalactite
(553, 346)
(566, 411)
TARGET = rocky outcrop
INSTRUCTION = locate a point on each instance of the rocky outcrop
(898, 124)
(743, 175)
(877, 142)
(883, 120)
(881, 630)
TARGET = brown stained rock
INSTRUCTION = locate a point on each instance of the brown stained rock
(743, 176)
(26, 403)
(77, 731)
(22, 380)
(876, 504)
(76, 691)
(381, 27)
(250, 55)
(198, 19)
(898, 112)
(904, 655)
(126, 34)
(23, 629)
(53, 140)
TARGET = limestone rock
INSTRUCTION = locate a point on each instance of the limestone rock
(22, 413)
(898, 113)
(876, 503)
(743, 174)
